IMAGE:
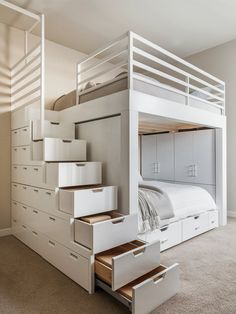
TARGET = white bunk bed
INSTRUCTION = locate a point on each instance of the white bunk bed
(54, 185)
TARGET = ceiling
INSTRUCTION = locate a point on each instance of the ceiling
(181, 26)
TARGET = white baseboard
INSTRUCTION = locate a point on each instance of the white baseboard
(231, 214)
(5, 232)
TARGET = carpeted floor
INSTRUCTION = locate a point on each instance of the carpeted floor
(28, 284)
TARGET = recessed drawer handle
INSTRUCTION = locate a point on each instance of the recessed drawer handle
(73, 256)
(164, 228)
(35, 233)
(24, 226)
(158, 278)
(139, 252)
(25, 168)
(15, 167)
(55, 123)
(36, 191)
(119, 220)
(14, 220)
(25, 130)
(15, 185)
(36, 169)
(97, 190)
(24, 187)
(67, 141)
(213, 221)
(35, 211)
(196, 217)
(80, 165)
(24, 207)
(15, 149)
(52, 219)
(51, 243)
(24, 148)
(164, 241)
(196, 228)
(48, 193)
(14, 203)
(15, 132)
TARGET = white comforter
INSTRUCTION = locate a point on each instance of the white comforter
(183, 200)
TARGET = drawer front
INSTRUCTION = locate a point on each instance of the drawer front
(194, 226)
(73, 265)
(54, 130)
(213, 219)
(73, 174)
(51, 149)
(148, 295)
(133, 264)
(170, 235)
(18, 119)
(21, 155)
(20, 137)
(107, 234)
(15, 210)
(31, 175)
(86, 202)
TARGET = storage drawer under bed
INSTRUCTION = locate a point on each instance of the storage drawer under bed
(195, 225)
(170, 235)
(99, 236)
(122, 264)
(146, 293)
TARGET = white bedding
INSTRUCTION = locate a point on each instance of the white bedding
(182, 200)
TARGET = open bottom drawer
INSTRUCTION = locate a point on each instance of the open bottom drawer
(146, 293)
(124, 263)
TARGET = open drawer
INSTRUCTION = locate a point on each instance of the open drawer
(124, 263)
(104, 235)
(87, 200)
(146, 293)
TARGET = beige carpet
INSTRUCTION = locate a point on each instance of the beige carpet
(28, 284)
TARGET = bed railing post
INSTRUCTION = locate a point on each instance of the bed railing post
(187, 90)
(42, 75)
(130, 60)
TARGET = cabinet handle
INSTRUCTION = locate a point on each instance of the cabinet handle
(67, 141)
(24, 148)
(52, 219)
(80, 165)
(48, 193)
(24, 226)
(97, 190)
(196, 217)
(24, 207)
(73, 256)
(196, 228)
(164, 228)
(118, 221)
(55, 123)
(35, 233)
(36, 190)
(164, 241)
(51, 243)
(36, 169)
(15, 185)
(25, 168)
(15, 149)
(14, 220)
(35, 211)
(25, 130)
(15, 167)
(213, 221)
(15, 132)
(24, 187)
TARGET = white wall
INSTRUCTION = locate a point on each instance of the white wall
(221, 62)
(60, 79)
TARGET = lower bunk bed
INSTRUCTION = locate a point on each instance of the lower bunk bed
(174, 213)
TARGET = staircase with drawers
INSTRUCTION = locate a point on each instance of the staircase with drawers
(61, 210)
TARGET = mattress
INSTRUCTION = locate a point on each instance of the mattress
(120, 84)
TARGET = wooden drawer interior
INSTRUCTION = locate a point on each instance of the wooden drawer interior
(103, 260)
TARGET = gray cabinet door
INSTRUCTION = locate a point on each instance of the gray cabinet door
(165, 157)
(149, 156)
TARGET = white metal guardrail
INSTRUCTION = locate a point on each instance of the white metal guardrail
(134, 55)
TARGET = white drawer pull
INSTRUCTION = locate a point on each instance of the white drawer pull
(35, 211)
(119, 220)
(35, 233)
(73, 256)
(158, 278)
(67, 141)
(52, 219)
(80, 165)
(164, 241)
(55, 123)
(36, 190)
(139, 252)
(51, 243)
(196, 217)
(196, 228)
(97, 190)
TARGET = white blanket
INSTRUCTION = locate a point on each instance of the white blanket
(182, 200)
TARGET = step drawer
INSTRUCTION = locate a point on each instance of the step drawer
(213, 219)
(146, 293)
(104, 235)
(70, 263)
(73, 174)
(53, 129)
(21, 137)
(170, 235)
(123, 264)
(84, 201)
(194, 226)
(21, 155)
(54, 149)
